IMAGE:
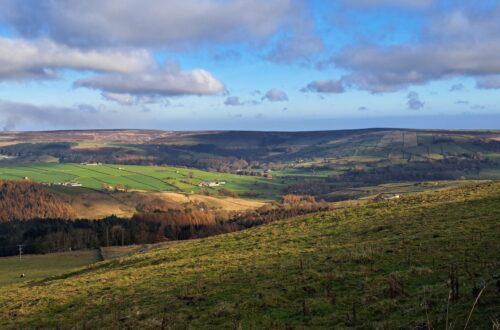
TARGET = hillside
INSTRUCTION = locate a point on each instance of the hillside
(376, 265)
(94, 204)
(26, 200)
(103, 190)
(139, 178)
(40, 266)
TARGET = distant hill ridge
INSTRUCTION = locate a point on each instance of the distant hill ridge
(223, 150)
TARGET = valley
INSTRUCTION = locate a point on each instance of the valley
(383, 264)
(249, 165)
(254, 230)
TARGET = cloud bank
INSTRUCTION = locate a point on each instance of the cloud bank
(42, 59)
(152, 23)
(456, 43)
(15, 114)
(165, 81)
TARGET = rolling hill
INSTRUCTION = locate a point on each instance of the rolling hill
(223, 149)
(418, 262)
(330, 165)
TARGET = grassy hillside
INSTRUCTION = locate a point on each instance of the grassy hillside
(388, 261)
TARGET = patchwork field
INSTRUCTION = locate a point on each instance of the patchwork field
(143, 178)
(322, 163)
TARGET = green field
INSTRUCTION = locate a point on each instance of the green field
(391, 262)
(37, 267)
(322, 164)
(147, 178)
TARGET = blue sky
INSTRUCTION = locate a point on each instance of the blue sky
(249, 64)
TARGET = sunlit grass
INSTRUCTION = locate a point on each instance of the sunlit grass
(146, 178)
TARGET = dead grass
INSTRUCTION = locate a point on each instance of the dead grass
(92, 204)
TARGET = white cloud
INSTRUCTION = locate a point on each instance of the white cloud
(154, 22)
(129, 99)
(454, 44)
(388, 69)
(123, 99)
(165, 81)
(41, 59)
(124, 76)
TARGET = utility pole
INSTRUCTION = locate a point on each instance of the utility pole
(20, 247)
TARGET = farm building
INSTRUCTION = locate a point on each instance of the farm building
(72, 184)
(211, 183)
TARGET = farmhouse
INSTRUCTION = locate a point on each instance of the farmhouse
(72, 184)
(211, 183)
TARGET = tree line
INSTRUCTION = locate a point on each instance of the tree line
(153, 225)
(23, 200)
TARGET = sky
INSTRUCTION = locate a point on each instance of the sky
(249, 64)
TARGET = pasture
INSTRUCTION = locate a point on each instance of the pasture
(40, 266)
(143, 178)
